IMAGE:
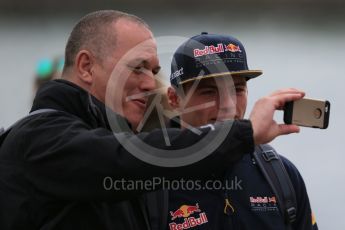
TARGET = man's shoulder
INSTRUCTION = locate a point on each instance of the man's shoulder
(294, 174)
(42, 125)
(291, 170)
(289, 165)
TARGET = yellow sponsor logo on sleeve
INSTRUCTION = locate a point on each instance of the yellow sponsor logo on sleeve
(313, 220)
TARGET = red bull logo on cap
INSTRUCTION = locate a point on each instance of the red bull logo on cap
(220, 48)
(209, 50)
(188, 222)
(232, 48)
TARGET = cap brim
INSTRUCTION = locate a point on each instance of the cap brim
(248, 74)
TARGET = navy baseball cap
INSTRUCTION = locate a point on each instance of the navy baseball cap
(209, 55)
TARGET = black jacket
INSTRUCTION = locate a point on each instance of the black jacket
(253, 203)
(53, 165)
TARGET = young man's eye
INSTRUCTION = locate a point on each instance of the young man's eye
(208, 92)
(240, 89)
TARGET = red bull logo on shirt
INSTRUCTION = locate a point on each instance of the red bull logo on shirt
(263, 200)
(188, 222)
(263, 204)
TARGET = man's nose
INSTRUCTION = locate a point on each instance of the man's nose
(148, 82)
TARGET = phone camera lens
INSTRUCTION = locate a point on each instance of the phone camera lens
(317, 113)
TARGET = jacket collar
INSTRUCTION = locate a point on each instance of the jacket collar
(66, 96)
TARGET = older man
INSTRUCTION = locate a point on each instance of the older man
(53, 163)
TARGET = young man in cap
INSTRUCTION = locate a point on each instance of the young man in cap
(209, 77)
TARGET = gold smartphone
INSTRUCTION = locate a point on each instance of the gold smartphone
(307, 112)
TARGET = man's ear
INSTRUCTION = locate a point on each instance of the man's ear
(84, 64)
(173, 98)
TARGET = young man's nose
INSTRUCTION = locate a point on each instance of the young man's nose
(227, 106)
(227, 101)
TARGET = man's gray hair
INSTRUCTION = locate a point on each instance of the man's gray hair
(93, 33)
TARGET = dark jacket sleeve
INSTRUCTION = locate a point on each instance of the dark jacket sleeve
(305, 220)
(63, 157)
